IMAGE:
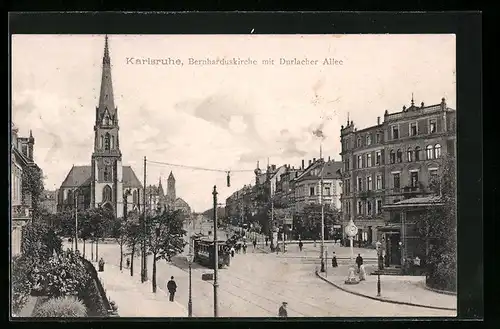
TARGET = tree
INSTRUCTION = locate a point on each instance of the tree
(39, 241)
(165, 238)
(99, 220)
(32, 187)
(132, 236)
(308, 222)
(117, 228)
(438, 227)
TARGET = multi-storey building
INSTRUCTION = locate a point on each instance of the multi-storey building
(48, 201)
(393, 160)
(308, 184)
(22, 163)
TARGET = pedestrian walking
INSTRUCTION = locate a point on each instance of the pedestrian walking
(244, 248)
(267, 240)
(172, 288)
(232, 251)
(301, 245)
(282, 312)
(101, 265)
(254, 244)
(334, 260)
(128, 262)
(359, 261)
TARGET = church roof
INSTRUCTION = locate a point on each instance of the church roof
(82, 175)
(181, 203)
(78, 176)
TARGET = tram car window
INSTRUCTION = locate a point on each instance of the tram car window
(204, 252)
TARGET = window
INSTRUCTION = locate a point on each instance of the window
(369, 160)
(348, 184)
(368, 208)
(395, 132)
(378, 157)
(417, 153)
(414, 179)
(413, 129)
(379, 182)
(392, 157)
(409, 154)
(396, 181)
(399, 156)
(360, 184)
(360, 161)
(360, 207)
(102, 142)
(106, 175)
(112, 142)
(359, 142)
(368, 139)
(311, 190)
(437, 151)
(432, 126)
(433, 175)
(106, 193)
(379, 206)
(106, 141)
(430, 152)
(377, 138)
(369, 186)
(327, 190)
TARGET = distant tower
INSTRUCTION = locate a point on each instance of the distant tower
(171, 190)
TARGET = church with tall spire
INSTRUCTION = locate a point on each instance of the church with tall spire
(157, 198)
(106, 182)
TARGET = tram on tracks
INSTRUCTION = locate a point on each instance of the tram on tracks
(204, 251)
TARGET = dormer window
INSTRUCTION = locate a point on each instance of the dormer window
(368, 139)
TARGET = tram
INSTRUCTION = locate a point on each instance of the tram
(204, 252)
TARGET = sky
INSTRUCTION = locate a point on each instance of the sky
(224, 117)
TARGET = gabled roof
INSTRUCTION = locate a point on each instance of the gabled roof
(78, 176)
(129, 178)
(332, 170)
(82, 175)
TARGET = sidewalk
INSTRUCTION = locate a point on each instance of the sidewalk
(408, 290)
(136, 299)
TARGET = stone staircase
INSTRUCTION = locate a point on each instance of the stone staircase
(388, 271)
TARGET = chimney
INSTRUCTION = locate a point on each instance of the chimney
(302, 163)
(310, 162)
(378, 121)
(328, 158)
(314, 159)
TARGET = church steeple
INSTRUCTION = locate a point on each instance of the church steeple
(106, 97)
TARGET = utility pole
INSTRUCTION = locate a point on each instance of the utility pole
(144, 275)
(272, 222)
(216, 253)
(322, 214)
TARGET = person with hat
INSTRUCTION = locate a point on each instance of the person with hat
(282, 312)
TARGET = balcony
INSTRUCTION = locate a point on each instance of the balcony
(21, 212)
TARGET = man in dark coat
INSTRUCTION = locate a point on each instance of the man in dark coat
(359, 261)
(300, 245)
(282, 312)
(172, 287)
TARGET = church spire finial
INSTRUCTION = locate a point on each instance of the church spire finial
(412, 102)
(106, 59)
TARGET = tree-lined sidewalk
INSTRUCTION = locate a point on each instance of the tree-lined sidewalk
(135, 299)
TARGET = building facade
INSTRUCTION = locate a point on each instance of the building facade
(22, 161)
(391, 161)
(319, 174)
(106, 182)
(49, 201)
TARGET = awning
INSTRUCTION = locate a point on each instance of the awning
(422, 202)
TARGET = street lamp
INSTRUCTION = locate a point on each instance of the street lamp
(190, 258)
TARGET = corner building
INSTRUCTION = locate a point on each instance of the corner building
(394, 160)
